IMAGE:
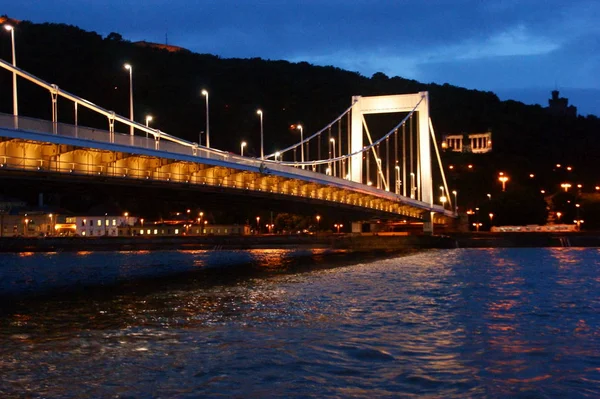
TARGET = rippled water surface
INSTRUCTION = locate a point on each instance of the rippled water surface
(464, 323)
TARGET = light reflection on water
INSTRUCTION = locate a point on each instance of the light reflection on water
(452, 324)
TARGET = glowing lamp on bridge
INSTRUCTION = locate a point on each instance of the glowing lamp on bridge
(205, 94)
(242, 145)
(262, 148)
(443, 200)
(565, 186)
(299, 127)
(503, 179)
(10, 29)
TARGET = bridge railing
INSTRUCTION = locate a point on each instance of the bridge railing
(99, 135)
(126, 140)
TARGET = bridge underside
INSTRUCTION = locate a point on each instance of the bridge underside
(46, 161)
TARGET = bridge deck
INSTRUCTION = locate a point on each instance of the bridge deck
(39, 146)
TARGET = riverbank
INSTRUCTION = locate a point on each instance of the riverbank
(360, 243)
(349, 242)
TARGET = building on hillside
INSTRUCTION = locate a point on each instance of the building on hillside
(560, 105)
(168, 47)
(10, 21)
(476, 143)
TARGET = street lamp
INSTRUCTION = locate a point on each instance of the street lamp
(566, 186)
(277, 155)
(338, 226)
(332, 141)
(130, 69)
(205, 94)
(262, 147)
(455, 201)
(318, 222)
(148, 120)
(257, 224)
(491, 218)
(443, 200)
(299, 127)
(242, 145)
(489, 197)
(11, 29)
(503, 179)
(558, 215)
(51, 224)
(442, 196)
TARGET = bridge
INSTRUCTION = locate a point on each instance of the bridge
(336, 168)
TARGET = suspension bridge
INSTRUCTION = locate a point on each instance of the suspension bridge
(340, 165)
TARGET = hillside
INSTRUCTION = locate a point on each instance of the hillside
(167, 85)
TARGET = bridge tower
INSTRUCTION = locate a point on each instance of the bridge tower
(389, 104)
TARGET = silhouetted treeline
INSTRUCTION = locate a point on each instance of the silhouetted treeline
(167, 85)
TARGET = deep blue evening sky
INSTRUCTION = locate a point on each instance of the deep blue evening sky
(518, 49)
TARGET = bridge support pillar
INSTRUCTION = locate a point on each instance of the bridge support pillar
(428, 223)
(418, 102)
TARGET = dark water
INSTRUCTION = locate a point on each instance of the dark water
(465, 323)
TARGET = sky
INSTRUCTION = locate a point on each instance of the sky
(518, 49)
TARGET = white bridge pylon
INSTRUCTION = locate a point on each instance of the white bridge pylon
(418, 102)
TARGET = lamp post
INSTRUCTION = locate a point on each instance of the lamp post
(258, 225)
(11, 29)
(442, 196)
(332, 141)
(318, 222)
(503, 180)
(242, 145)
(205, 94)
(299, 127)
(397, 180)
(262, 147)
(130, 69)
(148, 120)
(455, 201)
(51, 224)
(491, 219)
(338, 226)
(277, 155)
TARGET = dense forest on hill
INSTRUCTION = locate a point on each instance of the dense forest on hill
(526, 138)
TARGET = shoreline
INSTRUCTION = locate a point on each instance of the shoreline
(350, 242)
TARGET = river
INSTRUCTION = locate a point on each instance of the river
(461, 323)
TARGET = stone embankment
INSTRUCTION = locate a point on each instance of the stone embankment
(351, 242)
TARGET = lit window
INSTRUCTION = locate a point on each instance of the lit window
(141, 232)
(225, 231)
(107, 222)
(148, 231)
(155, 231)
(83, 233)
(114, 222)
(176, 231)
(99, 222)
